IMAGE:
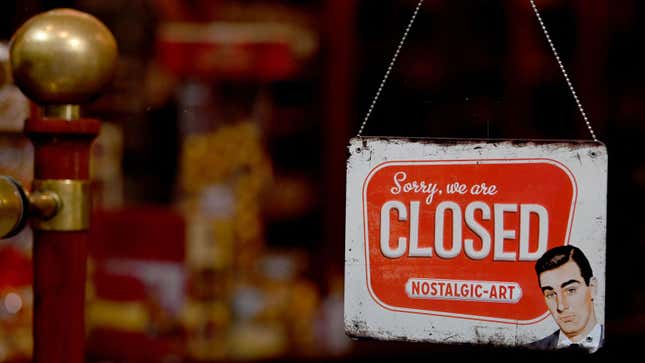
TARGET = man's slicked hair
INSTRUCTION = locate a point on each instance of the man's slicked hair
(560, 255)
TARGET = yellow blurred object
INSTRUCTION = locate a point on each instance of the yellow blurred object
(210, 243)
(233, 156)
(224, 235)
(207, 324)
(23, 342)
(258, 341)
(5, 350)
(223, 175)
(213, 158)
(126, 316)
(303, 307)
(304, 299)
(276, 302)
(196, 313)
(204, 347)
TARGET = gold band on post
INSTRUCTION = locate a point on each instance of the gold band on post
(72, 204)
(65, 112)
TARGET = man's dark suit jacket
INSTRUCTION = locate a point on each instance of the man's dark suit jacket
(551, 342)
(548, 343)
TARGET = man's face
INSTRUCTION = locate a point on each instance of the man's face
(569, 299)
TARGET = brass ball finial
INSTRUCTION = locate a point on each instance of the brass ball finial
(62, 57)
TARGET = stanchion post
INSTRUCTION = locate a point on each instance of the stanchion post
(59, 59)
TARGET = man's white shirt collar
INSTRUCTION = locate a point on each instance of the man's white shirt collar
(590, 342)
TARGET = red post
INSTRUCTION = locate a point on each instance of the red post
(61, 151)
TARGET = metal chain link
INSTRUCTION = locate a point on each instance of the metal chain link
(564, 72)
(389, 69)
(548, 38)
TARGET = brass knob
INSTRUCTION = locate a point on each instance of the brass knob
(13, 207)
(4, 66)
(62, 57)
(16, 206)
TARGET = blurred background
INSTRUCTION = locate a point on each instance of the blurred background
(219, 173)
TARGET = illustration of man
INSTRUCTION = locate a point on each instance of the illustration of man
(569, 287)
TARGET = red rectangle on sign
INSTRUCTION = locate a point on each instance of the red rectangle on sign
(460, 238)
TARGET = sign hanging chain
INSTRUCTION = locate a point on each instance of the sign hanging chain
(564, 72)
(548, 38)
(389, 69)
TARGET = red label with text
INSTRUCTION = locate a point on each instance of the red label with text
(460, 238)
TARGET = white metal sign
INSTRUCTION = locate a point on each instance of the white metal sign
(476, 241)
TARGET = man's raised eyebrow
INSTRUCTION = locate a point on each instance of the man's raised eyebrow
(544, 288)
(572, 281)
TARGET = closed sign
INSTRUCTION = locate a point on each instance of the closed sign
(444, 239)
